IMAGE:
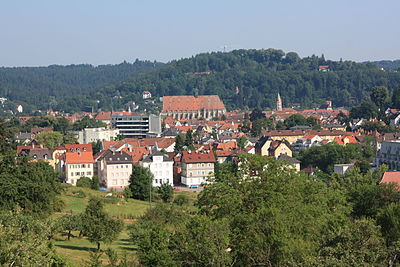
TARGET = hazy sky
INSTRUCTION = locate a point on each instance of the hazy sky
(44, 32)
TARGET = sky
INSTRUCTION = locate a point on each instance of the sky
(46, 32)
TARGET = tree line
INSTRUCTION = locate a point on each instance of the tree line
(243, 78)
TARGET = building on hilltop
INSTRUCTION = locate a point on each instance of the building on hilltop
(193, 107)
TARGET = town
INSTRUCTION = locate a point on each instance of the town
(182, 144)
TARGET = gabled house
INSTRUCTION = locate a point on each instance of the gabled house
(161, 166)
(196, 167)
(78, 164)
(114, 169)
(273, 148)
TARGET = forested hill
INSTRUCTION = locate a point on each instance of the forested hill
(55, 85)
(387, 64)
(243, 78)
(260, 75)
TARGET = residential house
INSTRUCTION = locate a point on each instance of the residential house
(273, 148)
(196, 167)
(114, 169)
(146, 94)
(76, 161)
(391, 177)
(161, 166)
(342, 168)
(292, 161)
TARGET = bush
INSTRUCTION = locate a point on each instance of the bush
(181, 200)
(85, 182)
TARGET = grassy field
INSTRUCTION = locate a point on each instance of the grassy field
(77, 250)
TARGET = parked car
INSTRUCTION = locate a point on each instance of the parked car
(194, 186)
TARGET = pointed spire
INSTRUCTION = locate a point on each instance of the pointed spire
(279, 103)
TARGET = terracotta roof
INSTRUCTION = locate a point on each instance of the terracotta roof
(391, 177)
(188, 102)
(197, 157)
(78, 157)
(304, 132)
(103, 116)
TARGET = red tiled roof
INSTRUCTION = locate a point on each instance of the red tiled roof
(197, 157)
(187, 102)
(391, 177)
(103, 116)
(78, 157)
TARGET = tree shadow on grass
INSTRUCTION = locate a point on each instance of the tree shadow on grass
(76, 247)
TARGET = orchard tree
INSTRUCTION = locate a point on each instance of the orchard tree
(166, 192)
(97, 225)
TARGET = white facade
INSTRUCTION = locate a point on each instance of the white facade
(20, 109)
(196, 173)
(161, 168)
(89, 135)
(75, 171)
(342, 168)
(117, 175)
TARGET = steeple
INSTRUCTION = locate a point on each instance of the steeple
(279, 103)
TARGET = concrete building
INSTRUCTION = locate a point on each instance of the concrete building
(89, 135)
(196, 167)
(137, 125)
(161, 166)
(193, 107)
(114, 169)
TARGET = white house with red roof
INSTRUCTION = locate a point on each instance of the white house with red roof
(146, 94)
(196, 167)
(77, 162)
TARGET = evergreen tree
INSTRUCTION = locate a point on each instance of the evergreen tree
(141, 183)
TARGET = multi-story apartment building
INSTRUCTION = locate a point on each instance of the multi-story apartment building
(76, 161)
(114, 169)
(161, 166)
(196, 167)
(136, 125)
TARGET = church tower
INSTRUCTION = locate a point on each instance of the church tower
(279, 103)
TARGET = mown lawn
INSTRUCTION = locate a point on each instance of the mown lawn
(77, 250)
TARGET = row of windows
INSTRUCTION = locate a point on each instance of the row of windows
(119, 182)
(200, 165)
(199, 173)
(78, 166)
(160, 181)
(160, 173)
(120, 174)
(119, 166)
(81, 173)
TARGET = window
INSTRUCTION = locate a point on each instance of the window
(198, 164)
(209, 164)
(83, 166)
(77, 173)
(82, 173)
(72, 181)
(89, 173)
(72, 174)
(126, 166)
(190, 174)
(202, 165)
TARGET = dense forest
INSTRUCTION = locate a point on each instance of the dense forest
(243, 78)
(59, 87)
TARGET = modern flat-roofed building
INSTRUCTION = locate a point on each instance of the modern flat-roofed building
(193, 107)
(137, 125)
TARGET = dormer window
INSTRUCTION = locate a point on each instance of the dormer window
(45, 156)
(71, 149)
(78, 149)
(34, 156)
(84, 149)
